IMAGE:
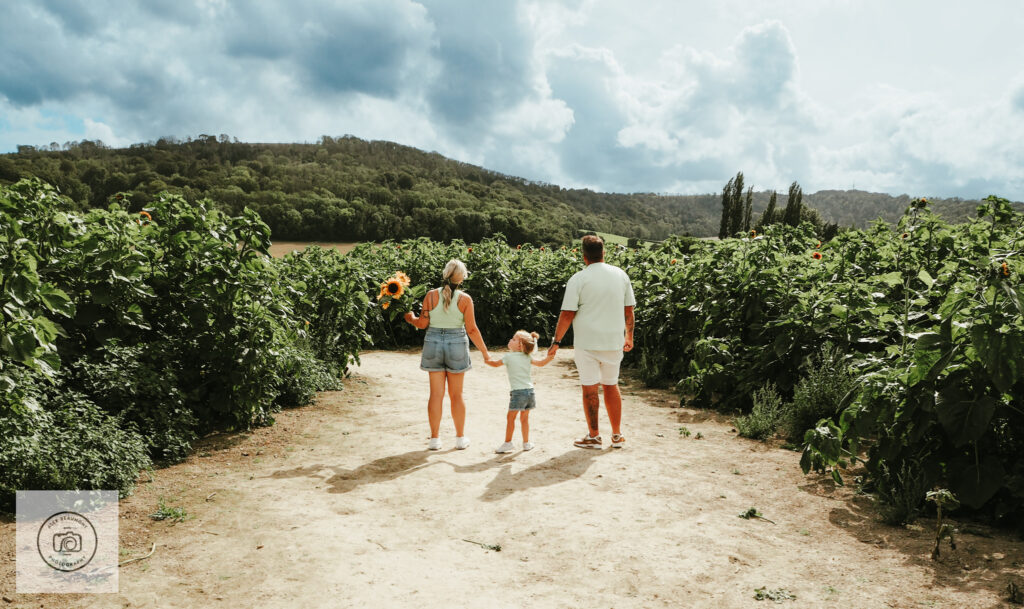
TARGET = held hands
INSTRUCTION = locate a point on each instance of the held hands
(552, 350)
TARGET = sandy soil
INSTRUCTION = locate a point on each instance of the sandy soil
(280, 248)
(340, 505)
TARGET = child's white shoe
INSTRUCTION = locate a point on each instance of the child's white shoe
(527, 445)
(504, 448)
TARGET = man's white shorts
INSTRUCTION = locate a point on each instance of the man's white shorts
(598, 366)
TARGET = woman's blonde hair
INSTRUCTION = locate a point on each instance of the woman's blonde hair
(451, 278)
(529, 340)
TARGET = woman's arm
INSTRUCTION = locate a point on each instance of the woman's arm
(466, 306)
(423, 321)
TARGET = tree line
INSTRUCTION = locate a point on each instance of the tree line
(349, 189)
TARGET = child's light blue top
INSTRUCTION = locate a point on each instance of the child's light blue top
(517, 364)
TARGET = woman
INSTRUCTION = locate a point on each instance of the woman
(448, 318)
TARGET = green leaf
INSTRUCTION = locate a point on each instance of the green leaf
(926, 278)
(1001, 353)
(891, 279)
(56, 300)
(964, 417)
(975, 484)
(45, 330)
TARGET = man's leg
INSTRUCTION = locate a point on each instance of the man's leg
(613, 404)
(591, 405)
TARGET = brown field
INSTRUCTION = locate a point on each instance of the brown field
(280, 248)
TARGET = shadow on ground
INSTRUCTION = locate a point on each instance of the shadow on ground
(984, 560)
(555, 470)
(384, 469)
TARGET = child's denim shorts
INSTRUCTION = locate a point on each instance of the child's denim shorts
(445, 350)
(522, 399)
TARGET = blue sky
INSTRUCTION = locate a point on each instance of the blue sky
(922, 98)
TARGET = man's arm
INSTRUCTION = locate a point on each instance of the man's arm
(564, 321)
(629, 329)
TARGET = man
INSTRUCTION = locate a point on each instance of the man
(599, 304)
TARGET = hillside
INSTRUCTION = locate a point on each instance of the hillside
(348, 189)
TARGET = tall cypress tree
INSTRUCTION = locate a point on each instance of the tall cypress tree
(723, 226)
(768, 217)
(748, 209)
(736, 205)
(794, 205)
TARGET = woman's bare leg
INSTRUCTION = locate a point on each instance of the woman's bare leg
(455, 381)
(435, 402)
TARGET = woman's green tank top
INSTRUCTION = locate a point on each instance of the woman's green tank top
(451, 317)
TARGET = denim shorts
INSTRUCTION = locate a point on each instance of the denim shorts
(445, 350)
(522, 399)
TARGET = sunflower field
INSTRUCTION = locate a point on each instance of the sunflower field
(132, 334)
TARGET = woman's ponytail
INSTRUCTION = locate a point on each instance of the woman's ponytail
(454, 274)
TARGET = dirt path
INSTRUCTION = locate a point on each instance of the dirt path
(340, 505)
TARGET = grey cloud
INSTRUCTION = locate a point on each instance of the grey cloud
(484, 56)
(367, 47)
(590, 152)
(1017, 99)
(766, 66)
(39, 61)
(75, 17)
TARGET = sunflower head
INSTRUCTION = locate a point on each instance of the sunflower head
(753, 233)
(385, 305)
(904, 235)
(673, 261)
(402, 278)
(394, 288)
(1006, 270)
(816, 255)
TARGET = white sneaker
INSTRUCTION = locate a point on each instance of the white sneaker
(527, 445)
(505, 448)
(462, 442)
(435, 444)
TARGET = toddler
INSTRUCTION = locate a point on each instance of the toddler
(517, 363)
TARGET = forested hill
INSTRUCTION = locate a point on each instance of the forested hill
(348, 189)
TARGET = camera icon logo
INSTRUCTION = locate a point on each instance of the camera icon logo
(67, 542)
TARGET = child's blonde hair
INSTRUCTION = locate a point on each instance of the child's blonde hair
(529, 340)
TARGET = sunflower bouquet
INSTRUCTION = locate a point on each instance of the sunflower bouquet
(397, 297)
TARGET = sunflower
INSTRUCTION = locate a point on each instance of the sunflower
(394, 288)
(673, 261)
(818, 246)
(753, 234)
(402, 278)
(469, 250)
(146, 214)
(385, 305)
(1006, 270)
(816, 255)
(904, 235)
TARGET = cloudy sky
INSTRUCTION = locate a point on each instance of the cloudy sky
(916, 97)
